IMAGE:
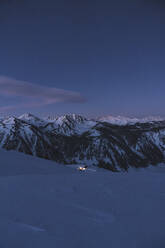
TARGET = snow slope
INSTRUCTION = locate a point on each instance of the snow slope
(46, 205)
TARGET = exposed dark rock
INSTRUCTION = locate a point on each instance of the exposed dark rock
(74, 139)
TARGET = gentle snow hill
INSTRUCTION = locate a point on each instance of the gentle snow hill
(46, 205)
(15, 163)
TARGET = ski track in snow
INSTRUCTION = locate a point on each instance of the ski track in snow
(95, 215)
(22, 226)
(30, 227)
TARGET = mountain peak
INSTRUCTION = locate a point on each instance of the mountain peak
(28, 116)
(9, 120)
(32, 119)
(67, 118)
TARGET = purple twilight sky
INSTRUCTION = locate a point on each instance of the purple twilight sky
(90, 57)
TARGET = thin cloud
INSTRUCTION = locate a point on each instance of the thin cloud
(35, 95)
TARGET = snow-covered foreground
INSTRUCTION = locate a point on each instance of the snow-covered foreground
(45, 205)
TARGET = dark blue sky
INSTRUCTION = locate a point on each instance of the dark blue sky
(110, 52)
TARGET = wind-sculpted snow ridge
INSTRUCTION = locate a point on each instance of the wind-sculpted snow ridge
(73, 139)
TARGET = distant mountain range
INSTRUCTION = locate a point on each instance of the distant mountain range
(121, 120)
(112, 143)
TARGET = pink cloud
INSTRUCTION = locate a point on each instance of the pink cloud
(35, 95)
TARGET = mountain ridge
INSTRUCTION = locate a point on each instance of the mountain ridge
(75, 139)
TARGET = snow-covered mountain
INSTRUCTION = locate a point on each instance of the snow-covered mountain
(74, 139)
(32, 120)
(121, 120)
(69, 124)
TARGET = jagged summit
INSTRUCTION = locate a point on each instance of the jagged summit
(70, 124)
(73, 118)
(29, 117)
(67, 117)
(10, 120)
(32, 119)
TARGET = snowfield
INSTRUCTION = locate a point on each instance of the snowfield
(46, 205)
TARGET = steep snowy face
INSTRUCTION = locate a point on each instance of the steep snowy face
(33, 120)
(68, 118)
(69, 124)
(75, 139)
(9, 128)
(121, 120)
(9, 121)
(15, 134)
